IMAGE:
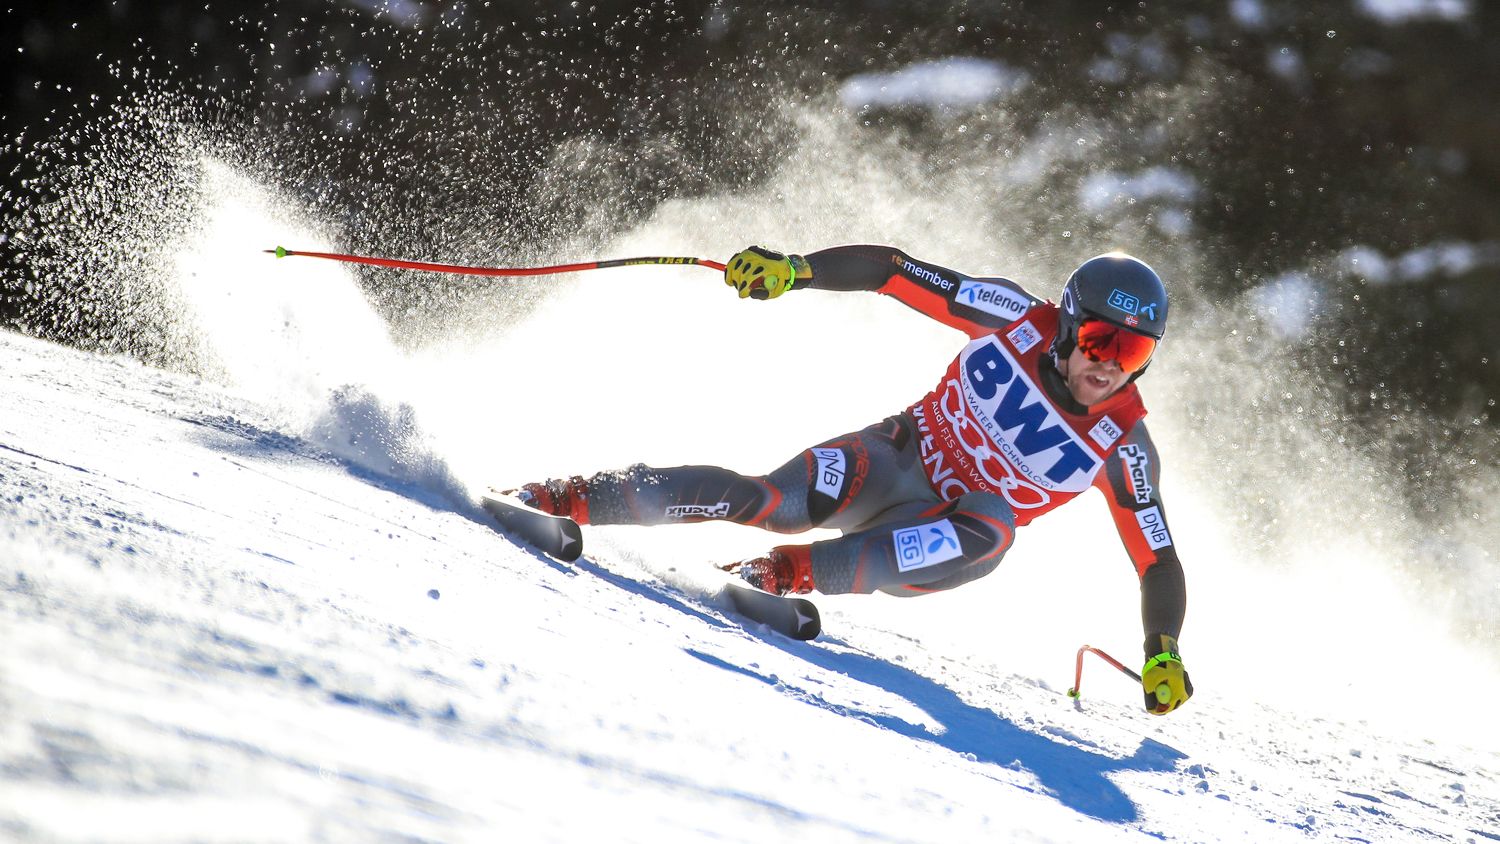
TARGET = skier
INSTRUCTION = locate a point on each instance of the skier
(1038, 407)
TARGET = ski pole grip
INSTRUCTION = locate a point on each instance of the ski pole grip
(1163, 693)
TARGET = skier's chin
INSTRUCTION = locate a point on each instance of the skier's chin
(1089, 389)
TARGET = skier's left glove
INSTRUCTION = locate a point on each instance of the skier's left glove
(762, 274)
(1164, 679)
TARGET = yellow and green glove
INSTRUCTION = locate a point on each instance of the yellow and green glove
(1164, 678)
(762, 274)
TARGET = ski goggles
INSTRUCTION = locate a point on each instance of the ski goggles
(1102, 341)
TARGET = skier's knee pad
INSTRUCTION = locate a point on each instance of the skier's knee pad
(989, 505)
(967, 574)
(990, 515)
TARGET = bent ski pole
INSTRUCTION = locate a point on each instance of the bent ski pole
(1078, 671)
(458, 269)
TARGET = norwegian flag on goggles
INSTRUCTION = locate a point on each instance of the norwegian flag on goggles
(1102, 341)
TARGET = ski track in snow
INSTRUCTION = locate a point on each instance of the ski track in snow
(216, 631)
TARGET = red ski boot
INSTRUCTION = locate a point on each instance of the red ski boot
(786, 569)
(559, 498)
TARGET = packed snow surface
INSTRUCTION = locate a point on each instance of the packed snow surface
(214, 630)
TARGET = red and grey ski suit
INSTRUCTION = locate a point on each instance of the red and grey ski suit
(929, 498)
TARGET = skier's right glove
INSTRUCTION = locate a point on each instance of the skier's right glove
(1165, 680)
(762, 274)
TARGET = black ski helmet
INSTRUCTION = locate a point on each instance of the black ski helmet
(1118, 289)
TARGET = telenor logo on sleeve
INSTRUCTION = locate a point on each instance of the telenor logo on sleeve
(993, 298)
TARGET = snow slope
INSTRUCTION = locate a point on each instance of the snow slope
(218, 630)
(263, 607)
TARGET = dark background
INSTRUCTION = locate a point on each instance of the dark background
(1379, 135)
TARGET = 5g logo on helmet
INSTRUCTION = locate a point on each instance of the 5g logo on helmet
(1131, 306)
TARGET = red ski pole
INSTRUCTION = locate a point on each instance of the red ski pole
(397, 263)
(1078, 670)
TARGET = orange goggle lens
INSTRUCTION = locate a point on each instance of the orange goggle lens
(1101, 341)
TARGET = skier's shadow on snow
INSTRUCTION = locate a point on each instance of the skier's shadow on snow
(1076, 776)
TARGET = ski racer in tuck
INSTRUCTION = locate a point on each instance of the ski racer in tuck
(1039, 406)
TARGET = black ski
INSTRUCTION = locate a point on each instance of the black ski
(555, 536)
(795, 618)
(560, 537)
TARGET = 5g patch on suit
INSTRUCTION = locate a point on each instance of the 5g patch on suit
(926, 545)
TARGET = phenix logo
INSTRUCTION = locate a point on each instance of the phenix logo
(698, 511)
(1137, 464)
